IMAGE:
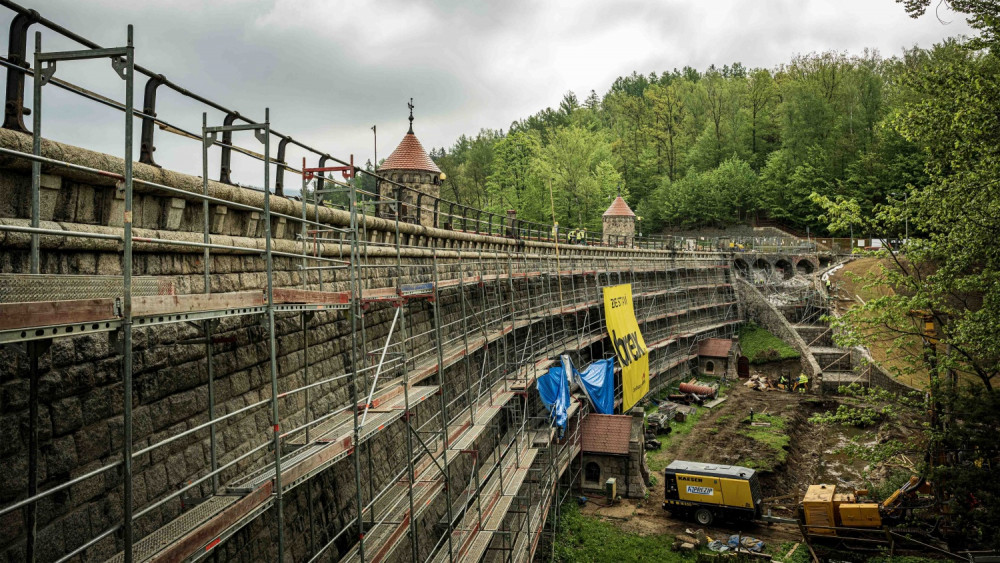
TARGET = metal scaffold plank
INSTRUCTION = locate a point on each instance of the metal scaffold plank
(17, 288)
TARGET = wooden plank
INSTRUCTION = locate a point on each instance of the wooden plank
(290, 295)
(379, 294)
(168, 304)
(47, 313)
(202, 536)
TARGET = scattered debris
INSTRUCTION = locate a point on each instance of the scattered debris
(715, 402)
(759, 383)
(746, 542)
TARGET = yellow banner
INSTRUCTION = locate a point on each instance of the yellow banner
(629, 346)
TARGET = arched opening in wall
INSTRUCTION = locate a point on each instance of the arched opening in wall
(825, 261)
(710, 366)
(592, 473)
(741, 267)
(804, 267)
(762, 265)
(784, 267)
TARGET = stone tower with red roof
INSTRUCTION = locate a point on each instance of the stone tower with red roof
(619, 223)
(410, 165)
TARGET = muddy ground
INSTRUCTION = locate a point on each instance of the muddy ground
(719, 436)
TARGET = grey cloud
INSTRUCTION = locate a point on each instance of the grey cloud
(329, 70)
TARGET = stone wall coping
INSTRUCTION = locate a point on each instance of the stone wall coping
(14, 140)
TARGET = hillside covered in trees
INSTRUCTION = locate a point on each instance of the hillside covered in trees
(693, 148)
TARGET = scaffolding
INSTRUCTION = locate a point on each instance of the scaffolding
(470, 328)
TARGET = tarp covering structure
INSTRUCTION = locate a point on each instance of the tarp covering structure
(598, 382)
(553, 387)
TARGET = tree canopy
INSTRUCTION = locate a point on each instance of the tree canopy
(692, 148)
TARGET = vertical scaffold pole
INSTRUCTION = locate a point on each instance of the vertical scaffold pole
(305, 359)
(473, 400)
(31, 511)
(355, 312)
(207, 325)
(414, 546)
(127, 301)
(275, 416)
(444, 407)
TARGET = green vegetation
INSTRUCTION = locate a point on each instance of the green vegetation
(760, 346)
(801, 554)
(945, 281)
(691, 147)
(772, 437)
(586, 539)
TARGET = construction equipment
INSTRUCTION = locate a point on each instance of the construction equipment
(611, 489)
(708, 491)
(825, 512)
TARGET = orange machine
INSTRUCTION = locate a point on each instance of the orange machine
(823, 510)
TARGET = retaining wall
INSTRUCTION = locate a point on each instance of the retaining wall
(81, 391)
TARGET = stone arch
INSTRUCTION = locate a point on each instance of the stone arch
(592, 472)
(741, 267)
(805, 267)
(785, 268)
(710, 366)
(762, 265)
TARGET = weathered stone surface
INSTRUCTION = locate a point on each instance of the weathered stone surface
(81, 422)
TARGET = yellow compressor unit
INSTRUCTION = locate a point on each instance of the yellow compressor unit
(707, 491)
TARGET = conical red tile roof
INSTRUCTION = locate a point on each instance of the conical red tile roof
(410, 155)
(619, 209)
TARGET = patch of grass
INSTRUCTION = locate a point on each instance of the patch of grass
(801, 554)
(588, 539)
(760, 346)
(772, 437)
(658, 460)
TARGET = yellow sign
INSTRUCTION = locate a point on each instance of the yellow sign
(630, 348)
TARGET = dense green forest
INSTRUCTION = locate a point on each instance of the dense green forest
(829, 141)
(704, 148)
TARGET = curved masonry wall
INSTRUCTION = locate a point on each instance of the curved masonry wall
(502, 325)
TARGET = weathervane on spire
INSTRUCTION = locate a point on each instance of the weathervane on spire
(410, 105)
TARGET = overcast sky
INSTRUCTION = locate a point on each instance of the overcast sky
(329, 69)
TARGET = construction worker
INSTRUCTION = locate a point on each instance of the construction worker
(802, 384)
(783, 382)
(581, 236)
(570, 236)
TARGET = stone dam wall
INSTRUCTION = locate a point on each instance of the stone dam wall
(502, 324)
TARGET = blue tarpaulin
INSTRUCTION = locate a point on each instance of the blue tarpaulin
(554, 390)
(598, 381)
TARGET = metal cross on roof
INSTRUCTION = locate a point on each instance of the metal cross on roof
(410, 105)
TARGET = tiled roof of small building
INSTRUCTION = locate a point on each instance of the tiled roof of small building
(606, 433)
(410, 155)
(619, 209)
(715, 347)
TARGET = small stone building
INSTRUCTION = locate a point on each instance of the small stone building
(619, 224)
(717, 356)
(612, 446)
(410, 165)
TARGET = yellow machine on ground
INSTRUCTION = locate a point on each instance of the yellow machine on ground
(708, 491)
(825, 512)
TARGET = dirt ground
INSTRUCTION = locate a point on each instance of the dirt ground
(849, 292)
(719, 437)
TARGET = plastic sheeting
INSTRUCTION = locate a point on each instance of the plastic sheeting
(598, 382)
(553, 387)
